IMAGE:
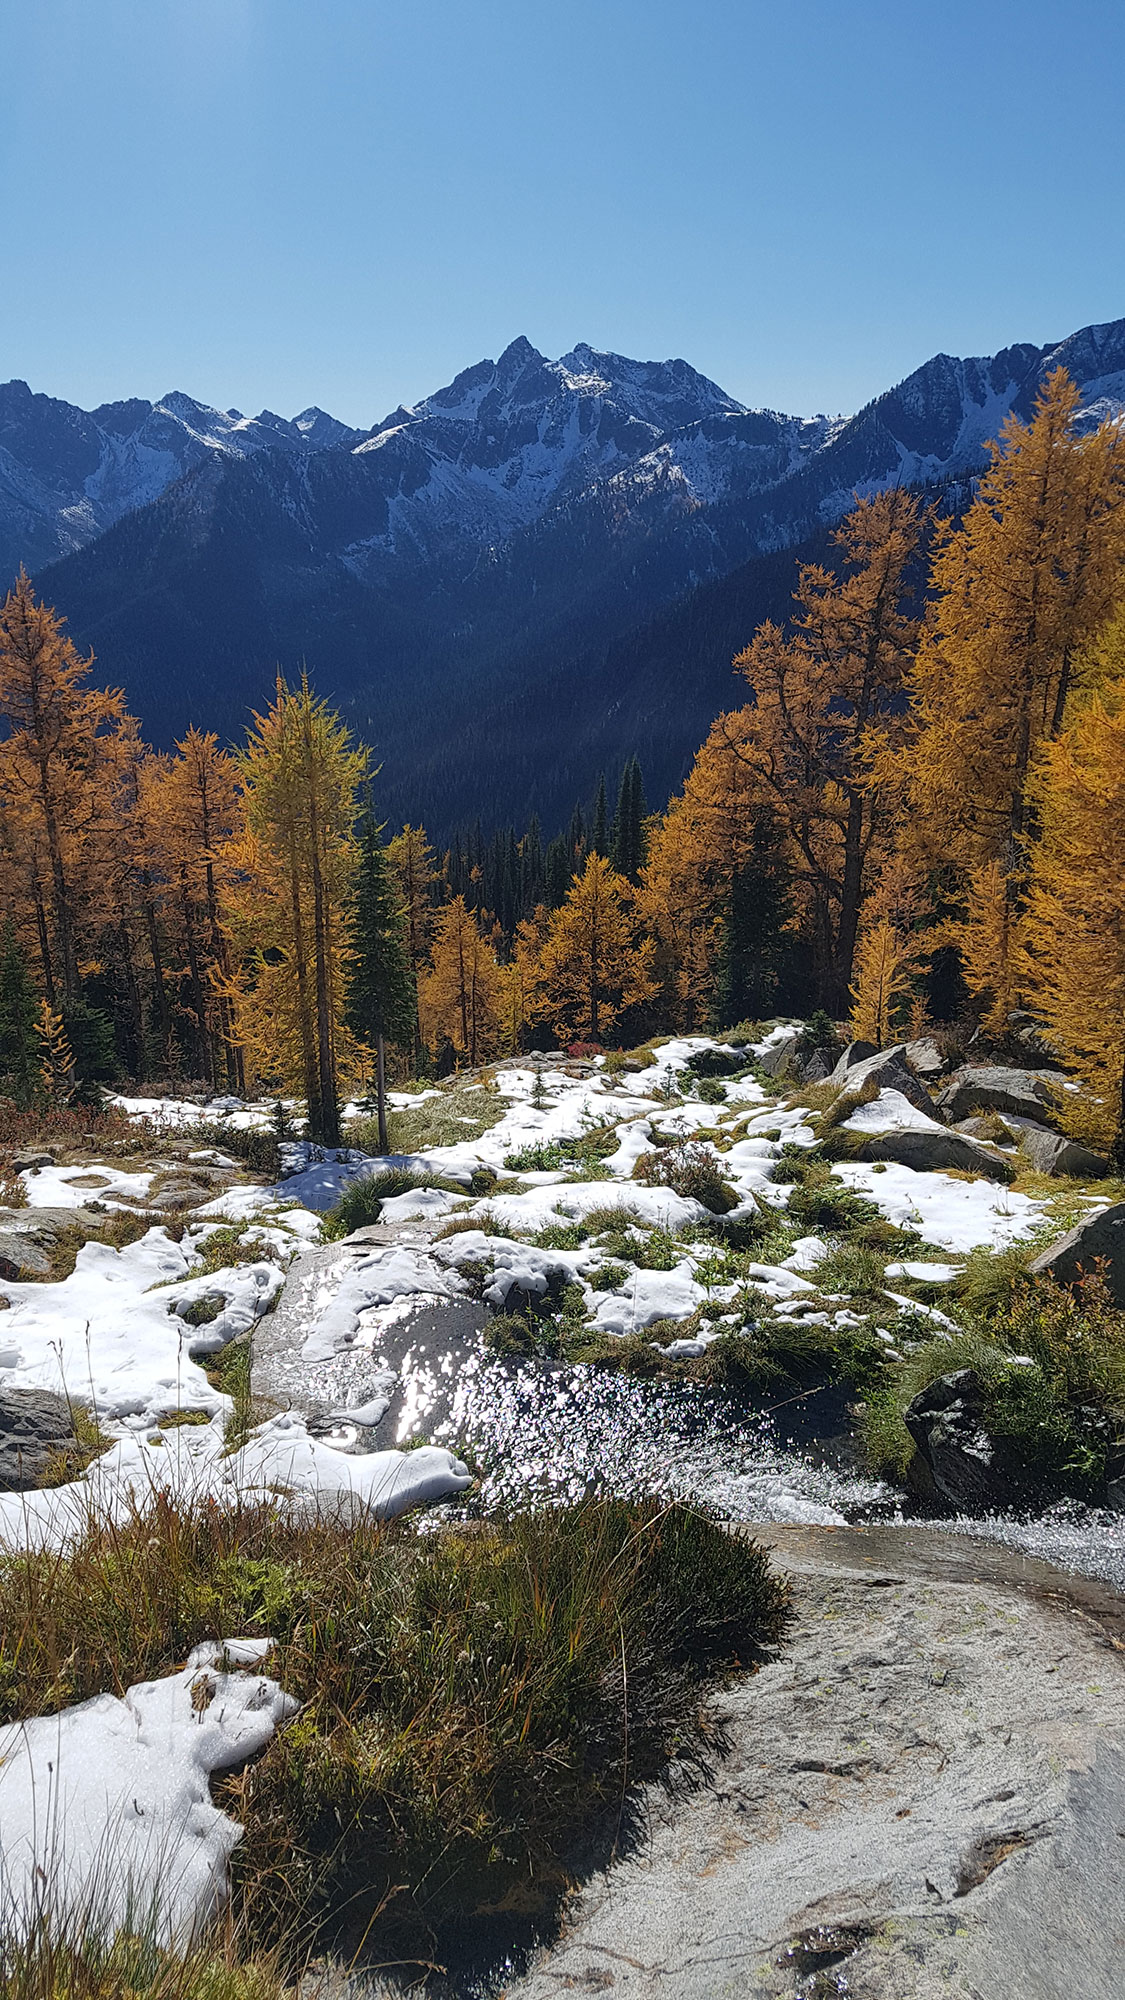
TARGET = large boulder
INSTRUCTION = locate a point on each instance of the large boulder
(1050, 1153)
(1093, 1248)
(989, 1087)
(777, 1059)
(929, 1148)
(959, 1468)
(887, 1069)
(34, 1425)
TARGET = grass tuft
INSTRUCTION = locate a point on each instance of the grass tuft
(476, 1702)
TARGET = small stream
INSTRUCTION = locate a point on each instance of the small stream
(554, 1432)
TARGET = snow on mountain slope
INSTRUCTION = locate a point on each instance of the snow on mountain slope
(506, 440)
(68, 474)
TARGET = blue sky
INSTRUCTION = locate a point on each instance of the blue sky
(280, 202)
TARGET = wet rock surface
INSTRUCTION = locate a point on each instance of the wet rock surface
(923, 1796)
(965, 1474)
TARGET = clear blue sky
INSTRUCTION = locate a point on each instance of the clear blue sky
(281, 202)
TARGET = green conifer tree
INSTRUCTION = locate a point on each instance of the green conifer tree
(20, 1045)
(627, 840)
(380, 982)
(599, 838)
(754, 948)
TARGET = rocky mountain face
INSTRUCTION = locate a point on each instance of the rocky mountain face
(465, 578)
(67, 474)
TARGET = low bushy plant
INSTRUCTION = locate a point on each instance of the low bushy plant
(474, 1704)
(257, 1150)
(690, 1170)
(362, 1200)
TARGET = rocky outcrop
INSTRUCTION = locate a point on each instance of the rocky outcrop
(988, 1087)
(887, 1069)
(34, 1425)
(1050, 1153)
(1094, 1248)
(960, 1467)
(921, 1797)
(30, 1237)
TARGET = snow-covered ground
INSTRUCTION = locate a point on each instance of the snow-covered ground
(110, 1800)
(105, 1809)
(119, 1333)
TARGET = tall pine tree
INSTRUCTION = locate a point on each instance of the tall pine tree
(381, 1004)
(20, 1044)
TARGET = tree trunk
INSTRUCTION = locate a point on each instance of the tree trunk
(329, 1109)
(381, 1091)
(45, 950)
(195, 981)
(163, 1017)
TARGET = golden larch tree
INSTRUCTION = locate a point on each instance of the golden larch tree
(595, 963)
(460, 995)
(59, 784)
(1020, 588)
(1073, 936)
(289, 876)
(827, 701)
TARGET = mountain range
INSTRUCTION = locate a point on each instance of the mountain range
(535, 572)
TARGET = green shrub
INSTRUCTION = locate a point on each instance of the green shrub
(711, 1091)
(362, 1200)
(258, 1151)
(690, 1170)
(1057, 1424)
(511, 1336)
(609, 1277)
(820, 1202)
(547, 1158)
(852, 1268)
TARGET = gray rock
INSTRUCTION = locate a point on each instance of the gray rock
(887, 1070)
(24, 1163)
(815, 1067)
(925, 1056)
(929, 1151)
(1095, 1247)
(776, 1060)
(988, 1087)
(1050, 1153)
(982, 1125)
(856, 1052)
(34, 1424)
(176, 1197)
(29, 1237)
(946, 1422)
(920, 1799)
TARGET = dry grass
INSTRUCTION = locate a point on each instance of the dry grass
(475, 1702)
(79, 1964)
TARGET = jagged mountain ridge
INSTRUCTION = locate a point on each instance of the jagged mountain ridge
(467, 577)
(68, 474)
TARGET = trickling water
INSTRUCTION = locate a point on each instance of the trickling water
(536, 1433)
(558, 1433)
